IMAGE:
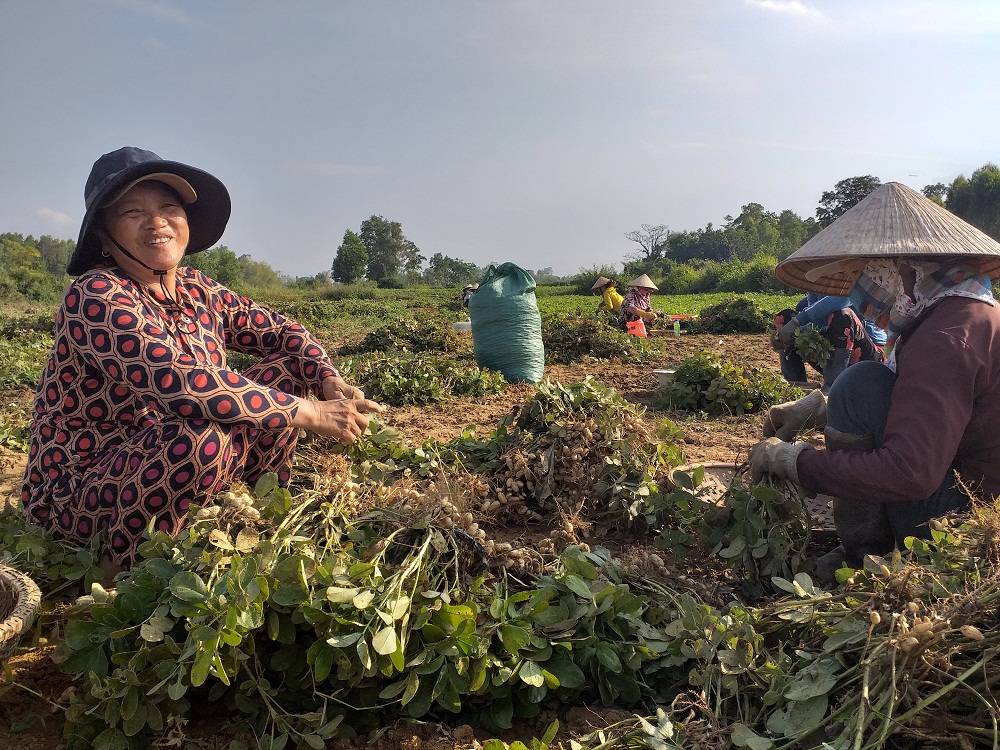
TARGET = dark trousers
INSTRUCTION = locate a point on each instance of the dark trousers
(857, 409)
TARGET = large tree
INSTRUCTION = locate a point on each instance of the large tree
(794, 232)
(845, 195)
(447, 272)
(352, 259)
(935, 192)
(258, 274)
(652, 241)
(23, 272)
(55, 253)
(219, 263)
(385, 244)
(753, 232)
(977, 199)
(411, 262)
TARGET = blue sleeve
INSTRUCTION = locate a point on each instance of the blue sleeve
(876, 333)
(817, 312)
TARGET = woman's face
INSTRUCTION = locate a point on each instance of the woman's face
(150, 222)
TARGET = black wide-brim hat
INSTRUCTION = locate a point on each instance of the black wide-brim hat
(206, 200)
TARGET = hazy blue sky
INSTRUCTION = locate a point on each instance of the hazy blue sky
(537, 132)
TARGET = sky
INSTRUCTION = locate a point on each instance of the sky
(537, 132)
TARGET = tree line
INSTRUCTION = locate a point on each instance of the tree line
(380, 252)
(737, 256)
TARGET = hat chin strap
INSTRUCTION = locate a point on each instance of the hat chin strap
(156, 272)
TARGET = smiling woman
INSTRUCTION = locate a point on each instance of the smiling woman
(150, 217)
(137, 415)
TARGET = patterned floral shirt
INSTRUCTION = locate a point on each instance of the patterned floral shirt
(635, 300)
(123, 358)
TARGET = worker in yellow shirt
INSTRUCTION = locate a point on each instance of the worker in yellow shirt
(611, 300)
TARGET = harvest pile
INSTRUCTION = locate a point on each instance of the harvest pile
(580, 454)
(379, 588)
(739, 314)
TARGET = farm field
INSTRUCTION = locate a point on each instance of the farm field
(786, 645)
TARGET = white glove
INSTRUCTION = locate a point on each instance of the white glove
(785, 421)
(777, 458)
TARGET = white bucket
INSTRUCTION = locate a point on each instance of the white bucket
(665, 377)
(462, 326)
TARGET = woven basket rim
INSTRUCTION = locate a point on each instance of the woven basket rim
(25, 607)
(730, 465)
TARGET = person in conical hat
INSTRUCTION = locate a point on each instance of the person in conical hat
(914, 438)
(611, 300)
(643, 282)
(636, 304)
(602, 281)
(467, 291)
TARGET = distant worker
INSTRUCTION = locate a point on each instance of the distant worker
(611, 300)
(852, 338)
(467, 293)
(635, 305)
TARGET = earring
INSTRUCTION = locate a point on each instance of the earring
(105, 253)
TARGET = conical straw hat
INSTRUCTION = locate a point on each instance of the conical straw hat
(893, 221)
(601, 282)
(645, 282)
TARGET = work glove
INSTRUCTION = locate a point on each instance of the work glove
(787, 333)
(776, 342)
(776, 457)
(785, 421)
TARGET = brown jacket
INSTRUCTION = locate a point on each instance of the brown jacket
(945, 412)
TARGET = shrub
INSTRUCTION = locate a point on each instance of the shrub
(585, 279)
(575, 338)
(705, 383)
(359, 290)
(407, 335)
(418, 379)
(733, 315)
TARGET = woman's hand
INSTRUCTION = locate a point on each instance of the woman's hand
(344, 419)
(337, 388)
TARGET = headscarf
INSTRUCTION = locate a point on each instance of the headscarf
(636, 298)
(878, 293)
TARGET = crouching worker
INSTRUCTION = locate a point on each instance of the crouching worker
(636, 305)
(611, 300)
(852, 338)
(911, 439)
(137, 414)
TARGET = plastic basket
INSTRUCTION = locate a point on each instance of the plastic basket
(636, 328)
(19, 600)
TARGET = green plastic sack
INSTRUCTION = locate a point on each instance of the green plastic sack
(506, 324)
